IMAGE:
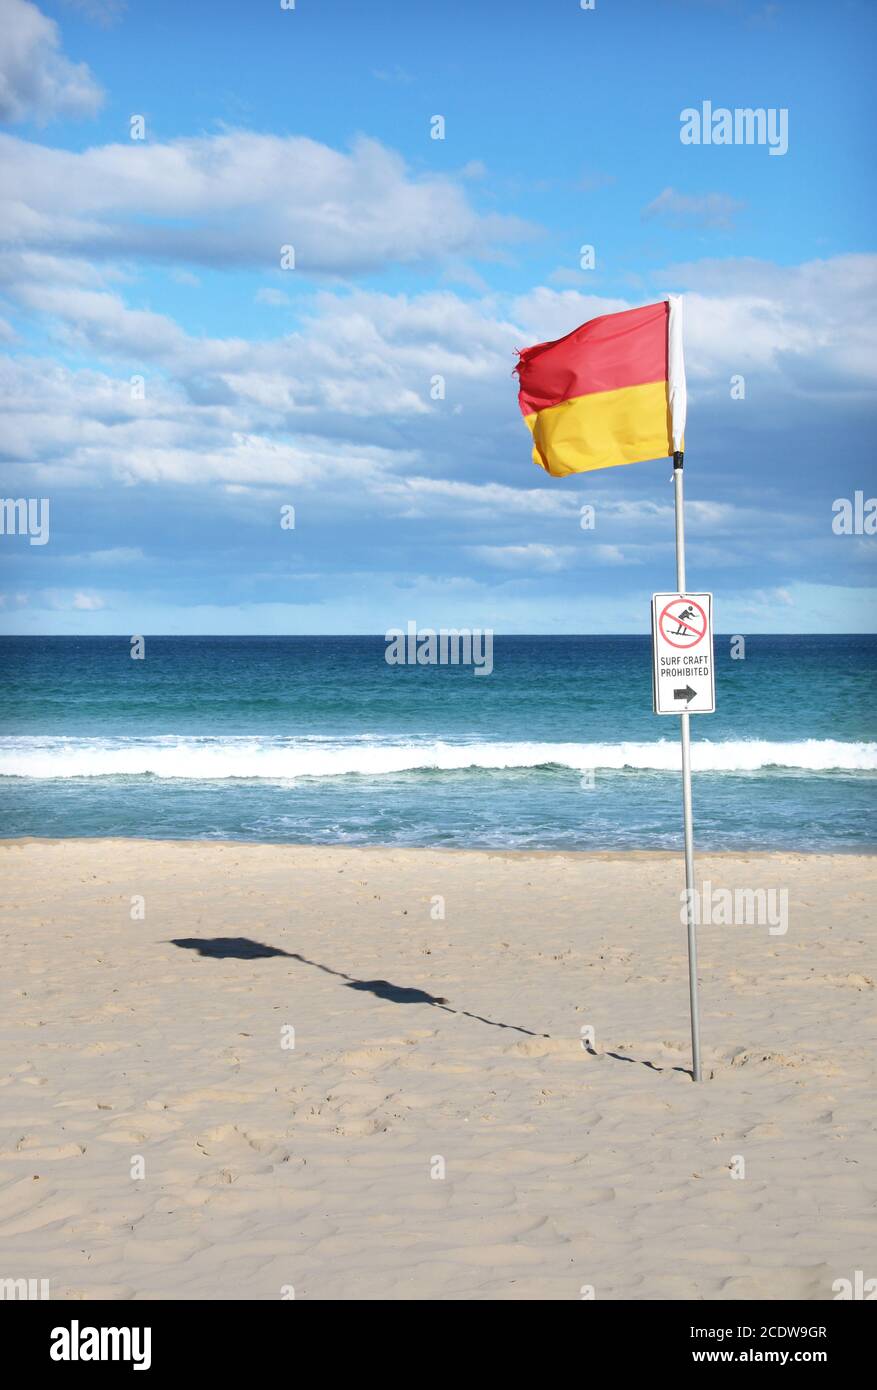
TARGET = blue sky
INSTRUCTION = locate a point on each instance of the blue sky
(158, 259)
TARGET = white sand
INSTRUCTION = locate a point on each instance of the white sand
(267, 1167)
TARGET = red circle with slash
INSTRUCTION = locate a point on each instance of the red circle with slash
(685, 642)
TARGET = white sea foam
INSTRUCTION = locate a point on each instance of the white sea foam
(277, 759)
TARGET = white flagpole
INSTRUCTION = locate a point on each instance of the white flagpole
(678, 403)
(687, 820)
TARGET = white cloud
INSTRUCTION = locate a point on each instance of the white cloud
(116, 555)
(418, 496)
(71, 428)
(812, 327)
(532, 556)
(545, 314)
(238, 198)
(37, 81)
(276, 298)
(347, 395)
(337, 418)
(102, 12)
(802, 607)
(614, 555)
(395, 74)
(362, 354)
(701, 209)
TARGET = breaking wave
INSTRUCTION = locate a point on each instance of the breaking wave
(282, 759)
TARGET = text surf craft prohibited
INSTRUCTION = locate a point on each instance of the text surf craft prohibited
(683, 670)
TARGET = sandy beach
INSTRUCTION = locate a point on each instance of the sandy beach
(439, 1128)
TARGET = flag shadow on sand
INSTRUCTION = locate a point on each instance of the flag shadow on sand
(243, 948)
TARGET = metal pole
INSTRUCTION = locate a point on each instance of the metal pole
(686, 793)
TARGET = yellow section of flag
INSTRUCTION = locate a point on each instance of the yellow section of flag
(602, 430)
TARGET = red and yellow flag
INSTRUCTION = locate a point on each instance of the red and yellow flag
(610, 392)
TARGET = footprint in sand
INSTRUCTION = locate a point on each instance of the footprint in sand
(31, 1147)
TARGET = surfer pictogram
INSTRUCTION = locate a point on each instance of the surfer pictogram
(687, 612)
(683, 623)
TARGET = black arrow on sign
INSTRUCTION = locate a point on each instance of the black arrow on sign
(684, 693)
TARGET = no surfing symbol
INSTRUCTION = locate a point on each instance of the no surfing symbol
(683, 623)
(683, 680)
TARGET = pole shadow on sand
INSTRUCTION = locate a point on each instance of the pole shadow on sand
(243, 948)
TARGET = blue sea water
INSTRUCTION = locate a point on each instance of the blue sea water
(319, 740)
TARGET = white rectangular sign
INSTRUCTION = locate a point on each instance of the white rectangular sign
(683, 673)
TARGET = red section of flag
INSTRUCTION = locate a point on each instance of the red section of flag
(605, 354)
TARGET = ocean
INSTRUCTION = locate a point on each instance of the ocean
(317, 740)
